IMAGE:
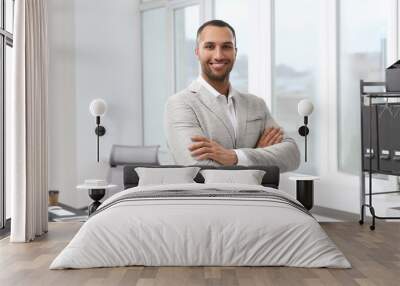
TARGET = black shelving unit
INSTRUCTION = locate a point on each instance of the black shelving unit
(380, 142)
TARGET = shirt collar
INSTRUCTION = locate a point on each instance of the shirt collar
(212, 90)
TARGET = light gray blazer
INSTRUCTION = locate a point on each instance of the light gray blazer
(195, 111)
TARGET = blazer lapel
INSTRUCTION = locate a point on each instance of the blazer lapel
(211, 102)
(241, 107)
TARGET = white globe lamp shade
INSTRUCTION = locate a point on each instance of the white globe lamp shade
(98, 107)
(305, 107)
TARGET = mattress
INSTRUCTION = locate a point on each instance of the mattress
(201, 225)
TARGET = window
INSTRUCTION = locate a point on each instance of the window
(168, 32)
(169, 62)
(6, 42)
(186, 22)
(296, 71)
(9, 15)
(363, 38)
(300, 31)
(154, 74)
(236, 13)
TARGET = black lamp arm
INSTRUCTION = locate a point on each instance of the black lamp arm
(303, 131)
(100, 131)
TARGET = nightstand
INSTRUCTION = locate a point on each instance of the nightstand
(96, 193)
(305, 189)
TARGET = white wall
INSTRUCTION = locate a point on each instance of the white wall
(62, 99)
(94, 53)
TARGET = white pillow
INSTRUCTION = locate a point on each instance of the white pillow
(164, 176)
(248, 177)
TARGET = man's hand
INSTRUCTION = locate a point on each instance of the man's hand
(204, 148)
(270, 137)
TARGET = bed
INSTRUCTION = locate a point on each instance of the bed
(198, 224)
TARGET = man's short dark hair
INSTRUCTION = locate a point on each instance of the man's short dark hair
(215, 23)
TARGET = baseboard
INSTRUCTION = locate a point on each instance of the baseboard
(335, 214)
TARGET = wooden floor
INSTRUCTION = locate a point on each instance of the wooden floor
(374, 255)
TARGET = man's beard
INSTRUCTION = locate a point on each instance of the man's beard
(208, 72)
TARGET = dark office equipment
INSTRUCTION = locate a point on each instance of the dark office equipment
(369, 129)
(380, 141)
(393, 77)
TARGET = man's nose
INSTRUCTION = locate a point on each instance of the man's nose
(218, 53)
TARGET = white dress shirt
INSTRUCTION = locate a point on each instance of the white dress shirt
(228, 103)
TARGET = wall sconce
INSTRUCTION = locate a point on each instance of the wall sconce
(98, 107)
(305, 108)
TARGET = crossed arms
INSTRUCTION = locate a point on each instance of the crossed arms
(190, 146)
(204, 148)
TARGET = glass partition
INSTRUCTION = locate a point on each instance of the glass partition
(236, 13)
(155, 74)
(186, 23)
(296, 72)
(363, 28)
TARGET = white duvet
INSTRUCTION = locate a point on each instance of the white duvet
(200, 231)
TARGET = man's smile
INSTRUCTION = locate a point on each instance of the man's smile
(219, 65)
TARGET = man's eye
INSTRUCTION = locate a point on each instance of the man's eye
(227, 47)
(208, 47)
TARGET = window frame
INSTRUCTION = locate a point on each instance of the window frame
(6, 40)
(258, 86)
(170, 6)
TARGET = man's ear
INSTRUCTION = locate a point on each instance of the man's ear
(196, 51)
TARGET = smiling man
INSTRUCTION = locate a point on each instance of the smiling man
(210, 123)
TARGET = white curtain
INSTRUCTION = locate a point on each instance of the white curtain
(28, 122)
